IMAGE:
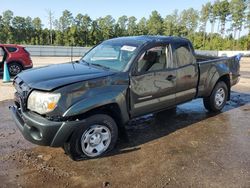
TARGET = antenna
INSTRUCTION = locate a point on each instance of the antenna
(71, 53)
(71, 50)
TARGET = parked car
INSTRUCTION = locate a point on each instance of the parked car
(81, 106)
(17, 58)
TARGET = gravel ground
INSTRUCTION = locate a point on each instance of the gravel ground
(186, 148)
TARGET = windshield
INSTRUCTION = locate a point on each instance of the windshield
(110, 55)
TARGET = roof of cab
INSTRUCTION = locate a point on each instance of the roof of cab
(150, 38)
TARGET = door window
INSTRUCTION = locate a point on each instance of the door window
(153, 59)
(183, 55)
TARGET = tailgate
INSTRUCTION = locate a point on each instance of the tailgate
(234, 67)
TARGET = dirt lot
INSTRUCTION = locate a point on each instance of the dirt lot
(189, 148)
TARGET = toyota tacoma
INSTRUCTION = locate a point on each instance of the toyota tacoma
(82, 105)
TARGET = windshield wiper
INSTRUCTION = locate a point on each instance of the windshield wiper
(81, 60)
(99, 65)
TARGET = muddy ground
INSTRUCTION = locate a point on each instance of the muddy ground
(186, 148)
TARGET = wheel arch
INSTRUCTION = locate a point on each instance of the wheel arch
(226, 79)
(111, 109)
(16, 61)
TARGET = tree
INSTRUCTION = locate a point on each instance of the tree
(122, 24)
(19, 26)
(29, 30)
(237, 9)
(45, 37)
(216, 12)
(37, 26)
(83, 31)
(132, 27)
(189, 18)
(213, 14)
(204, 17)
(106, 26)
(95, 33)
(70, 36)
(37, 23)
(247, 24)
(6, 24)
(66, 20)
(171, 24)
(83, 24)
(155, 23)
(224, 12)
(64, 24)
(7, 17)
(59, 38)
(142, 27)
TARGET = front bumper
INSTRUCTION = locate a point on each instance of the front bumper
(41, 131)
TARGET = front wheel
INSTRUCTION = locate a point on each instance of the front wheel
(93, 139)
(217, 100)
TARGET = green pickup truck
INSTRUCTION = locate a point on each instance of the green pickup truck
(81, 106)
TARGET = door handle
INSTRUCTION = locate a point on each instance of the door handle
(170, 77)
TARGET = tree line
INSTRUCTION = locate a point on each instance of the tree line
(217, 26)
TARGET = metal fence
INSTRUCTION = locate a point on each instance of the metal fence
(222, 53)
(68, 51)
(56, 51)
(207, 52)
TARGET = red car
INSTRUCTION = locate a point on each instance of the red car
(16, 56)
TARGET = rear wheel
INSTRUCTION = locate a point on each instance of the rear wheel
(217, 100)
(93, 139)
(14, 68)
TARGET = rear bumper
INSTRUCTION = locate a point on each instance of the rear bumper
(41, 131)
(28, 67)
(235, 79)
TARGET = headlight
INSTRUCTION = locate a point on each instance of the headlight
(42, 102)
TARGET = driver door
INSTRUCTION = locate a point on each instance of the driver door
(152, 88)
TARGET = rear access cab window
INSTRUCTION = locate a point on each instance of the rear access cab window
(183, 55)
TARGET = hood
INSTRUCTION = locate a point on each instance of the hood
(54, 76)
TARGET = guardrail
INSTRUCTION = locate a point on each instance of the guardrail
(68, 51)
(56, 51)
(222, 53)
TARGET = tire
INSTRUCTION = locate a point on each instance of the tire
(14, 68)
(100, 132)
(217, 100)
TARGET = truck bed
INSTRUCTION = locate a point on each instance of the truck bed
(201, 58)
(210, 66)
